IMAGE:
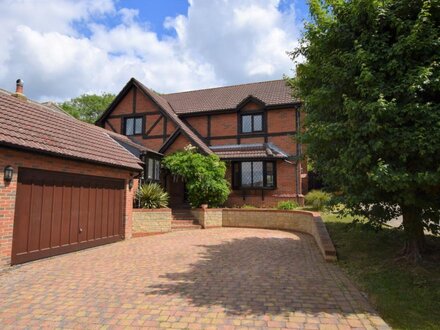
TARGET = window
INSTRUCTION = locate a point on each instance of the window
(133, 125)
(253, 175)
(252, 123)
(152, 169)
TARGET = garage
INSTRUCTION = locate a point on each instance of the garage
(58, 213)
(65, 185)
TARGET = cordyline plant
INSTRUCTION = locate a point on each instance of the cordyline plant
(371, 86)
(152, 196)
(204, 176)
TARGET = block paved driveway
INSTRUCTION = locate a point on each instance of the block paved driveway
(211, 279)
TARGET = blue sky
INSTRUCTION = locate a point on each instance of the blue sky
(65, 48)
(154, 12)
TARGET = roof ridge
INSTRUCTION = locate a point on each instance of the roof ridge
(220, 87)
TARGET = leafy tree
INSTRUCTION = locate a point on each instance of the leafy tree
(88, 107)
(204, 176)
(371, 87)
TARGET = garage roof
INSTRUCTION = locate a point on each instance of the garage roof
(32, 126)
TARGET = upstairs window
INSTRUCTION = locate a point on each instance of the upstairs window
(133, 126)
(253, 175)
(252, 123)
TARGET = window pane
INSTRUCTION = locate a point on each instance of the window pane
(269, 175)
(156, 170)
(150, 168)
(246, 174)
(246, 124)
(138, 126)
(257, 174)
(129, 126)
(258, 123)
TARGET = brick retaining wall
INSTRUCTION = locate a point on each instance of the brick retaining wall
(151, 221)
(303, 221)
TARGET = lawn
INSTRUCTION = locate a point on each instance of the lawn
(406, 296)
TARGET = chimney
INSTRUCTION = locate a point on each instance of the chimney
(19, 89)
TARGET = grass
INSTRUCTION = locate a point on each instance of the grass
(406, 296)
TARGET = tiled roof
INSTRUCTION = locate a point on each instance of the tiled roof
(254, 150)
(271, 93)
(163, 103)
(129, 144)
(30, 125)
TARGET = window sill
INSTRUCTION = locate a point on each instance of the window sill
(253, 188)
(251, 133)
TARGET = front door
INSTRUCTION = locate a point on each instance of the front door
(176, 190)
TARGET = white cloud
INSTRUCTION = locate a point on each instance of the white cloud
(218, 42)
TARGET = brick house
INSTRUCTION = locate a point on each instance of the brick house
(252, 127)
(64, 185)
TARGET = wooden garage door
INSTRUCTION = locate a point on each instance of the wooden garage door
(57, 213)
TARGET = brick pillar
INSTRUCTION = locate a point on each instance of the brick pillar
(7, 208)
(128, 217)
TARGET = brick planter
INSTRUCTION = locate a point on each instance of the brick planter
(151, 221)
(209, 218)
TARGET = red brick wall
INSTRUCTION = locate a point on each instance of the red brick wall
(224, 124)
(222, 142)
(200, 124)
(251, 106)
(180, 143)
(33, 160)
(125, 106)
(281, 120)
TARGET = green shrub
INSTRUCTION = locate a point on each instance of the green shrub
(152, 196)
(317, 199)
(204, 176)
(287, 205)
(246, 206)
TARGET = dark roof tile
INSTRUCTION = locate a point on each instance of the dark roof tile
(30, 125)
(271, 93)
(244, 151)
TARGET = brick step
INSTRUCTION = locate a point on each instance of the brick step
(181, 212)
(185, 227)
(183, 217)
(184, 222)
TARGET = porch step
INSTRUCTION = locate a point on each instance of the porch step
(178, 227)
(183, 222)
(183, 215)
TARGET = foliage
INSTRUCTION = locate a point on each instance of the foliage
(152, 196)
(204, 176)
(247, 206)
(86, 107)
(287, 205)
(370, 86)
(392, 287)
(317, 199)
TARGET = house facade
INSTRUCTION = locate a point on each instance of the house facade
(252, 127)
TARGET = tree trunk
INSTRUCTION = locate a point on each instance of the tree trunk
(415, 243)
